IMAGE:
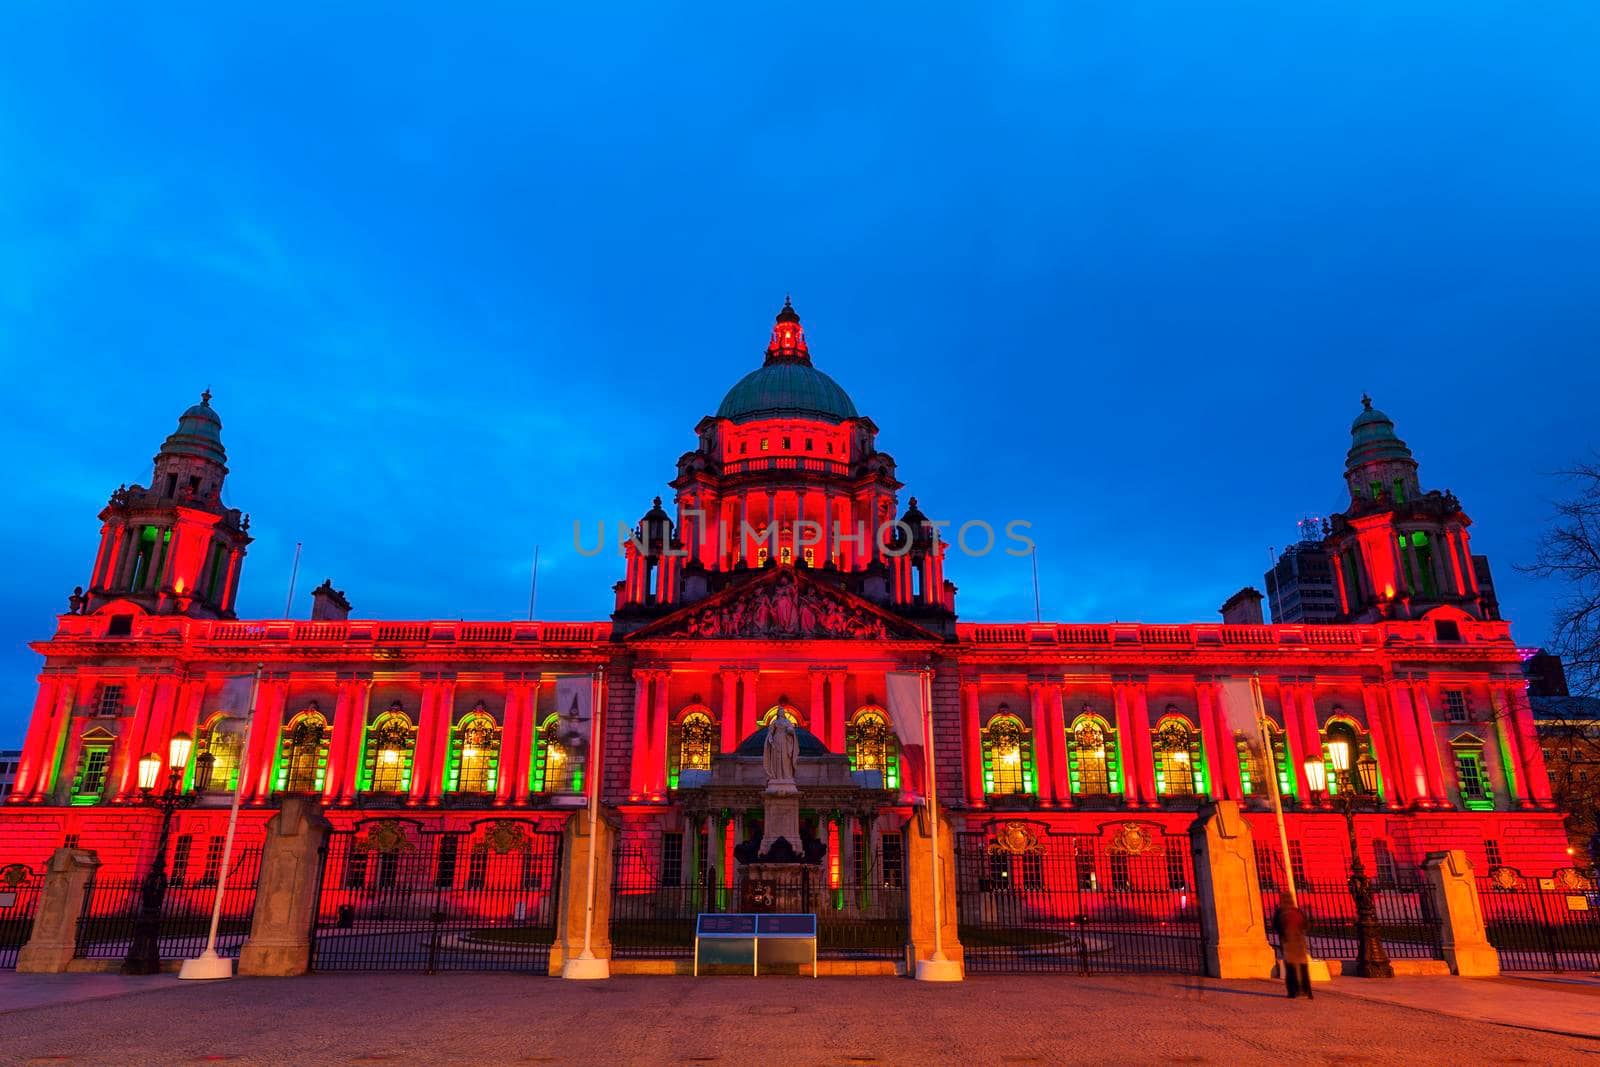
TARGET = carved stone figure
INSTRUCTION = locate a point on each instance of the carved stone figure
(778, 755)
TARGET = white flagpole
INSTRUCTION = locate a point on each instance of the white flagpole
(1270, 763)
(936, 968)
(585, 966)
(208, 964)
(294, 574)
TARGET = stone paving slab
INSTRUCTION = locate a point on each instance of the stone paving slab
(790, 1022)
(1546, 1004)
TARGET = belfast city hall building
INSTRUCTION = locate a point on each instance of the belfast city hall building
(415, 790)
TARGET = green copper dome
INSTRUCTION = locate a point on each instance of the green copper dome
(786, 389)
(1372, 438)
(199, 433)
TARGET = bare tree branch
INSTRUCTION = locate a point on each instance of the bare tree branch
(1570, 553)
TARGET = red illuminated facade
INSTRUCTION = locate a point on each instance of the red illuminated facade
(785, 572)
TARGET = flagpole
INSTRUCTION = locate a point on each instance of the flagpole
(1270, 763)
(294, 575)
(208, 964)
(586, 966)
(936, 968)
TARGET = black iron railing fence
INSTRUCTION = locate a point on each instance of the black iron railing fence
(1033, 901)
(651, 919)
(19, 900)
(1407, 922)
(111, 908)
(429, 902)
(1540, 924)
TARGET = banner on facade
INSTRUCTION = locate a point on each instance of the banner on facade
(233, 698)
(908, 715)
(1239, 712)
(575, 705)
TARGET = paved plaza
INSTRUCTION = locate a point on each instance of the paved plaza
(786, 1021)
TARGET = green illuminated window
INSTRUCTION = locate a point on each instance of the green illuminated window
(1007, 757)
(474, 754)
(391, 746)
(303, 754)
(1092, 757)
(871, 745)
(554, 770)
(1473, 780)
(222, 741)
(1180, 762)
(93, 761)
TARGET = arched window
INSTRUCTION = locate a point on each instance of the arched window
(786, 707)
(1179, 767)
(474, 753)
(222, 738)
(690, 744)
(1253, 764)
(303, 753)
(1357, 745)
(871, 745)
(1092, 756)
(554, 770)
(391, 744)
(1007, 756)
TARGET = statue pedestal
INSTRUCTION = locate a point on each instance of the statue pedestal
(776, 887)
(782, 819)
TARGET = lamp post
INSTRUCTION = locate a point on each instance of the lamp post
(1371, 959)
(144, 953)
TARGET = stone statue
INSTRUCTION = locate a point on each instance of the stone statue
(778, 755)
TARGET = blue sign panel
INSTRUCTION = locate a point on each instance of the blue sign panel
(711, 924)
(800, 925)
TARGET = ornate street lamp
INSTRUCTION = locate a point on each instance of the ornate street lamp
(144, 953)
(1371, 959)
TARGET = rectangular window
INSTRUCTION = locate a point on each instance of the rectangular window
(1083, 867)
(91, 777)
(1469, 772)
(355, 870)
(1032, 870)
(894, 864)
(1177, 876)
(671, 859)
(1120, 876)
(477, 867)
(1491, 852)
(213, 865)
(108, 701)
(1267, 866)
(1383, 863)
(69, 841)
(180, 858)
(1455, 705)
(1297, 862)
(388, 869)
(858, 848)
(444, 872)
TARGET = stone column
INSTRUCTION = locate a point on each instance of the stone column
(1455, 901)
(819, 713)
(1438, 784)
(919, 876)
(1061, 766)
(1044, 751)
(660, 721)
(286, 894)
(728, 712)
(640, 752)
(38, 750)
(55, 926)
(573, 901)
(1228, 892)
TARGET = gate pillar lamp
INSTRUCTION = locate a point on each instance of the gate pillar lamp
(144, 952)
(1372, 961)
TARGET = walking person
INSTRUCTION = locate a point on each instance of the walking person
(1290, 923)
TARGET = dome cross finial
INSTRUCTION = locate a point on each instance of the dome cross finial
(205, 396)
(1366, 401)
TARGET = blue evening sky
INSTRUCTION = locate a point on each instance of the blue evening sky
(461, 275)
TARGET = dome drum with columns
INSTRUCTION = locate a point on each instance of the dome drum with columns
(786, 474)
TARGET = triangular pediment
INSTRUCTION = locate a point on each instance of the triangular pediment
(784, 604)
